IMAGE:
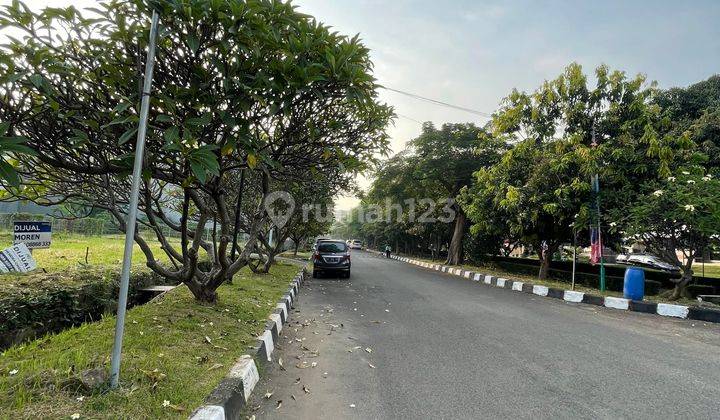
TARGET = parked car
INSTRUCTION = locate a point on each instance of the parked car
(355, 244)
(331, 256)
(649, 261)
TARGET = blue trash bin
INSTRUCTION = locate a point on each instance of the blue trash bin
(634, 285)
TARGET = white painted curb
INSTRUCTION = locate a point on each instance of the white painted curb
(501, 282)
(266, 337)
(677, 311)
(246, 370)
(209, 412)
(517, 286)
(617, 303)
(277, 320)
(283, 308)
(540, 290)
(572, 296)
(477, 277)
(488, 279)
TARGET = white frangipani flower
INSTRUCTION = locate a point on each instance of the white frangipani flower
(166, 403)
(706, 178)
(689, 207)
(613, 224)
(686, 173)
(671, 178)
(690, 181)
(658, 193)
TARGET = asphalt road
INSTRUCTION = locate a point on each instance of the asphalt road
(445, 347)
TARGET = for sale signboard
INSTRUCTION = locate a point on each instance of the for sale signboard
(17, 258)
(33, 234)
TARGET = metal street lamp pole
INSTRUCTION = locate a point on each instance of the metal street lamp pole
(131, 222)
(596, 189)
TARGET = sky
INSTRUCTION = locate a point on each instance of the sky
(472, 53)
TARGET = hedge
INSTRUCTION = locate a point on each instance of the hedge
(34, 311)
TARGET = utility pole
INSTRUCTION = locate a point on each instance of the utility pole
(131, 222)
(596, 189)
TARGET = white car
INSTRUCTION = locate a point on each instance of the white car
(355, 244)
(650, 261)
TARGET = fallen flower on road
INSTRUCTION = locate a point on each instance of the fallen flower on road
(306, 389)
(371, 365)
(268, 395)
(352, 405)
(368, 349)
(279, 404)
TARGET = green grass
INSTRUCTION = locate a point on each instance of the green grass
(64, 262)
(167, 335)
(301, 255)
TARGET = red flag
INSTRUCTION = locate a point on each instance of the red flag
(595, 246)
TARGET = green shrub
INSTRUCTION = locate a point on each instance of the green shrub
(34, 311)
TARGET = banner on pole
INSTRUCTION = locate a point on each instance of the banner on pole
(17, 258)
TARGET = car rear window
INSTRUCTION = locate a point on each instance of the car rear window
(332, 247)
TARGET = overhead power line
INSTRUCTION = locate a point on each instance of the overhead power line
(436, 102)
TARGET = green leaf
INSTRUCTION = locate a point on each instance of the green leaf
(127, 135)
(193, 43)
(172, 134)
(199, 171)
(8, 173)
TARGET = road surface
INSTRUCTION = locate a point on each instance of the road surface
(444, 347)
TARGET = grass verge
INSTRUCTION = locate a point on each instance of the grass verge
(175, 352)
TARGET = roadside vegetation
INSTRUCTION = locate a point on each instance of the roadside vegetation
(523, 181)
(176, 350)
(564, 281)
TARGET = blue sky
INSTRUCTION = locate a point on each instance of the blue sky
(472, 53)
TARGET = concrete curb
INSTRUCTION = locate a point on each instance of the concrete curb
(227, 400)
(662, 309)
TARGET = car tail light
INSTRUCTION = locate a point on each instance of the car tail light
(346, 257)
(317, 256)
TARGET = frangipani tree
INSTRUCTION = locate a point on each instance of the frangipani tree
(678, 214)
(238, 85)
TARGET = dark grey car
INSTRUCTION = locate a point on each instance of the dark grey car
(331, 256)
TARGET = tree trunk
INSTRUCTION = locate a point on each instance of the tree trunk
(455, 251)
(687, 276)
(545, 261)
(201, 293)
(297, 245)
